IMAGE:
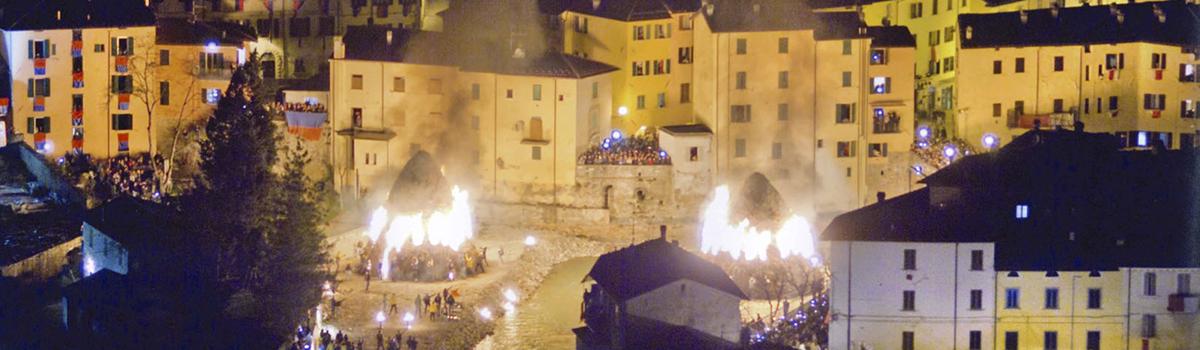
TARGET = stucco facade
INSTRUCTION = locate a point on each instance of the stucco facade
(691, 304)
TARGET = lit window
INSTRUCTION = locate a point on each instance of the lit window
(881, 85)
(1022, 211)
(1142, 139)
(212, 96)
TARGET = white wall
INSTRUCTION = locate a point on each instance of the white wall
(687, 303)
(105, 252)
(1173, 330)
(692, 177)
(866, 298)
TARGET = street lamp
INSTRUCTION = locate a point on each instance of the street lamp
(530, 240)
(379, 318)
(408, 319)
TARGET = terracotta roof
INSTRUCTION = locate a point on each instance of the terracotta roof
(637, 269)
(45, 14)
(631, 10)
(1138, 22)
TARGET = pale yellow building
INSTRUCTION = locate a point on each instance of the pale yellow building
(1129, 74)
(508, 125)
(72, 70)
(651, 42)
(818, 103)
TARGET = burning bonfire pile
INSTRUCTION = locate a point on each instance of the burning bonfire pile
(755, 227)
(419, 234)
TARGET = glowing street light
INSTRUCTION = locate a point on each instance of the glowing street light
(990, 141)
(615, 135)
(923, 132)
(510, 295)
(408, 319)
(950, 151)
(485, 313)
(530, 240)
(379, 318)
(622, 111)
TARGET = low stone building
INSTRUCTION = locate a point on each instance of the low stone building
(658, 295)
(118, 235)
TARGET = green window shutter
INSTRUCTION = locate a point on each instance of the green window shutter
(131, 47)
(115, 84)
(29, 128)
(30, 49)
(30, 87)
(46, 82)
(115, 120)
(49, 49)
(112, 46)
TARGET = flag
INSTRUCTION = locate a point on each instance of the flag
(39, 104)
(122, 63)
(77, 80)
(123, 102)
(307, 125)
(39, 141)
(39, 66)
(123, 142)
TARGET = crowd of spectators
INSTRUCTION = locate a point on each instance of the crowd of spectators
(128, 175)
(300, 107)
(632, 150)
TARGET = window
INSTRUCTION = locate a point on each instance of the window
(881, 85)
(1154, 102)
(435, 87)
(641, 102)
(397, 83)
(996, 109)
(1058, 105)
(1187, 109)
(1019, 107)
(164, 93)
(325, 26)
(1052, 298)
(596, 89)
(537, 92)
(122, 46)
(662, 100)
(739, 113)
(976, 260)
(98, 48)
(1087, 106)
(685, 23)
(41, 87)
(845, 113)
(356, 82)
(741, 46)
(694, 154)
(38, 125)
(915, 9)
(910, 259)
(356, 118)
(77, 65)
(877, 150)
(783, 45)
(879, 56)
(1022, 211)
(934, 7)
(1093, 301)
(997, 67)
(1158, 61)
(685, 55)
(508, 94)
(783, 79)
(976, 299)
(975, 341)
(300, 27)
(909, 300)
(685, 93)
(1011, 341)
(948, 64)
(535, 128)
(1112, 103)
(847, 78)
(122, 84)
(845, 149)
(1050, 341)
(949, 31)
(934, 37)
(906, 341)
(782, 113)
(581, 24)
(164, 57)
(1012, 298)
(741, 81)
(1150, 284)
(1093, 340)
(1149, 326)
(536, 153)
(1019, 66)
(739, 148)
(847, 47)
(212, 96)
(1183, 283)
(121, 122)
(1114, 61)
(777, 150)
(1058, 63)
(475, 92)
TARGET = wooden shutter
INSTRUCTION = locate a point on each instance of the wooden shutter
(29, 85)
(112, 46)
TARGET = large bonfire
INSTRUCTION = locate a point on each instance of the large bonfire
(754, 224)
(422, 210)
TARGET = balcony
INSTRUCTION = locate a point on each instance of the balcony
(1183, 303)
(211, 73)
(1019, 120)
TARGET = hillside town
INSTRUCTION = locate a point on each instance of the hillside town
(599, 174)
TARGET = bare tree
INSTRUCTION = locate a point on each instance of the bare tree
(144, 71)
(148, 74)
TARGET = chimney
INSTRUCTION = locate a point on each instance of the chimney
(1054, 10)
(389, 38)
(58, 15)
(880, 196)
(595, 4)
(1024, 16)
(662, 232)
(1158, 12)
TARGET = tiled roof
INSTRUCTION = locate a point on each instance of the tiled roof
(637, 269)
(180, 31)
(71, 14)
(1179, 24)
(764, 15)
(1088, 206)
(631, 10)
(370, 43)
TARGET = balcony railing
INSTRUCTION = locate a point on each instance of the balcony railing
(1018, 119)
(1184, 303)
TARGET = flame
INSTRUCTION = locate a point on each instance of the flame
(448, 228)
(744, 241)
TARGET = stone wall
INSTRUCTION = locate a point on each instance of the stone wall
(37, 165)
(44, 265)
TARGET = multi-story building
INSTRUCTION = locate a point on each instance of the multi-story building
(819, 103)
(1012, 249)
(297, 37)
(510, 123)
(83, 96)
(194, 61)
(1128, 72)
(651, 41)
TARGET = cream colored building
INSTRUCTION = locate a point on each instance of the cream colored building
(816, 102)
(509, 125)
(1128, 75)
(72, 75)
(651, 42)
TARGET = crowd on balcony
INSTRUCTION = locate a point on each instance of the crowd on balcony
(300, 107)
(631, 150)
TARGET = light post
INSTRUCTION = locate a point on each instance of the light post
(379, 318)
